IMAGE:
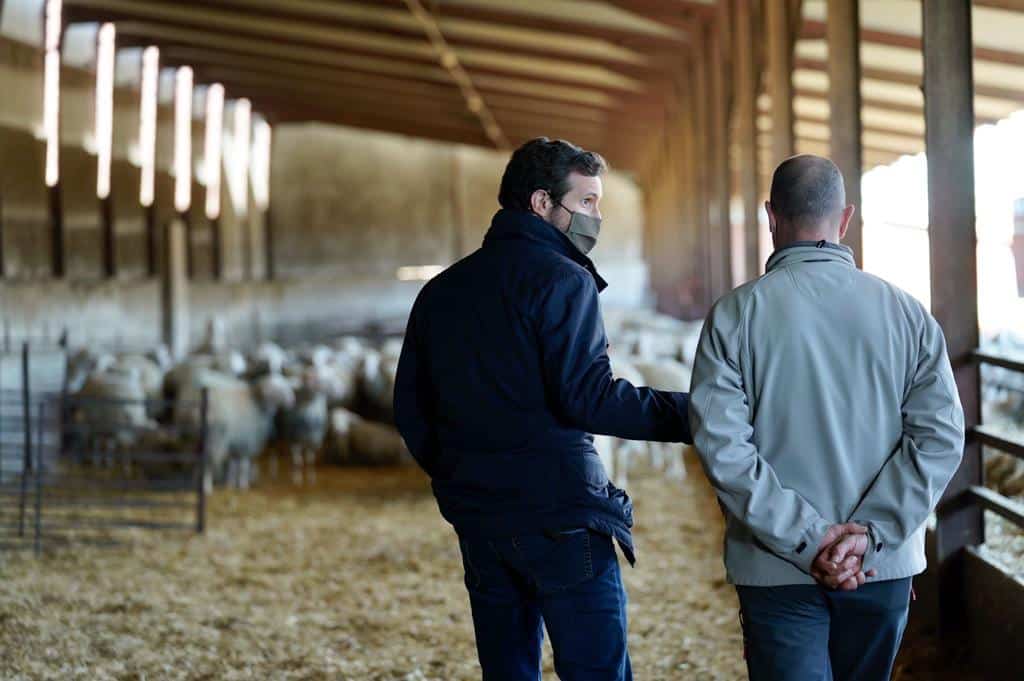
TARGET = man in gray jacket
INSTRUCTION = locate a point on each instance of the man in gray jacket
(825, 414)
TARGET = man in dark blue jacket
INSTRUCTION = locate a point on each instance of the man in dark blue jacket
(502, 380)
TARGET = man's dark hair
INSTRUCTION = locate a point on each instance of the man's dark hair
(545, 164)
(807, 189)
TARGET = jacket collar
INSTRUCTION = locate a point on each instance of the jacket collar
(520, 225)
(804, 251)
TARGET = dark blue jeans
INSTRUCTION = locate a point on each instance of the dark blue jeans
(569, 583)
(810, 633)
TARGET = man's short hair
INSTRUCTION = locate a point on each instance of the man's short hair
(545, 164)
(806, 189)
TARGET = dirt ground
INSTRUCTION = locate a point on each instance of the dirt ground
(356, 577)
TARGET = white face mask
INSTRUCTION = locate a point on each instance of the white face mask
(583, 230)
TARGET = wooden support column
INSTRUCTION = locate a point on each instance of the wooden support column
(174, 289)
(843, 33)
(720, 177)
(780, 39)
(107, 230)
(746, 83)
(58, 264)
(3, 265)
(700, 176)
(149, 222)
(949, 137)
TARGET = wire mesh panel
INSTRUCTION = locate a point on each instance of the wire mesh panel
(94, 469)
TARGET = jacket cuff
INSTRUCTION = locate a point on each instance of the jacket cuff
(683, 404)
(875, 546)
(806, 549)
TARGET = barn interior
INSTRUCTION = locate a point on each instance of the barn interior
(215, 216)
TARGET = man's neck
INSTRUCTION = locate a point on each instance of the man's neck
(807, 235)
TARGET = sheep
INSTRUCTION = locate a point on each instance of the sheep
(353, 440)
(337, 443)
(215, 337)
(240, 420)
(666, 374)
(377, 444)
(303, 424)
(616, 453)
(81, 364)
(268, 358)
(377, 383)
(107, 412)
(151, 377)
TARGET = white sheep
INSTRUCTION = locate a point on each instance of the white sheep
(666, 374)
(240, 421)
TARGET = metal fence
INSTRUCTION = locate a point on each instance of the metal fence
(91, 470)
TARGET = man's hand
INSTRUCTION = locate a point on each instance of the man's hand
(838, 563)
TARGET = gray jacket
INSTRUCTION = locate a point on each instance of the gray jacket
(822, 394)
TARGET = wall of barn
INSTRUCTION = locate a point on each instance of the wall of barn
(348, 208)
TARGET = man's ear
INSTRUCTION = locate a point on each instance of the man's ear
(771, 216)
(844, 220)
(540, 202)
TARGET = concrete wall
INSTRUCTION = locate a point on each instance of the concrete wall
(347, 202)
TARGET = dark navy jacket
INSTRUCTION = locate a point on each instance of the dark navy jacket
(504, 374)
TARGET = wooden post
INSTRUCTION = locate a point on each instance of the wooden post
(721, 184)
(780, 38)
(174, 290)
(149, 220)
(109, 244)
(949, 140)
(3, 266)
(843, 33)
(217, 247)
(699, 173)
(746, 83)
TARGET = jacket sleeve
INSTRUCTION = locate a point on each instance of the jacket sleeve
(912, 481)
(578, 376)
(412, 402)
(721, 420)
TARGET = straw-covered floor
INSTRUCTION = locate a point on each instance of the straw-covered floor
(356, 577)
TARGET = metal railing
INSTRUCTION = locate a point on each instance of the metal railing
(989, 499)
(91, 468)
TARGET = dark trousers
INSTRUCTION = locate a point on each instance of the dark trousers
(810, 633)
(569, 583)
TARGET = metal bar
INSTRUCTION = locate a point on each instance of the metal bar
(99, 502)
(26, 461)
(991, 438)
(450, 61)
(38, 530)
(997, 503)
(996, 360)
(201, 470)
(53, 481)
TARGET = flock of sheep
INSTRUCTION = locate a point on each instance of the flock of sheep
(331, 402)
(300, 401)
